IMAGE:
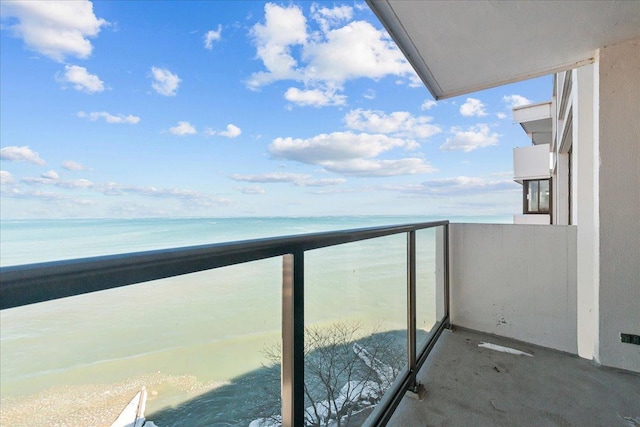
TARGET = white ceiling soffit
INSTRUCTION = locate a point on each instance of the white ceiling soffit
(458, 47)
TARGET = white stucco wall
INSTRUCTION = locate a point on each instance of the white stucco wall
(517, 281)
(619, 203)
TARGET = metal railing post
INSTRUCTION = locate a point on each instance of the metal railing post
(292, 390)
(447, 300)
(411, 306)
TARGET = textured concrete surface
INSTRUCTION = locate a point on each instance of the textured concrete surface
(472, 386)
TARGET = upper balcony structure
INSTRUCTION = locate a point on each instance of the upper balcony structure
(531, 162)
(535, 120)
(532, 165)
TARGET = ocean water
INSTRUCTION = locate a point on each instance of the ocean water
(198, 341)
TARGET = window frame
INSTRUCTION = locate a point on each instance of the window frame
(525, 200)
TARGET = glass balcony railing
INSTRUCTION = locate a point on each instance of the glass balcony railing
(318, 329)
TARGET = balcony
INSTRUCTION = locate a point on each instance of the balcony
(536, 122)
(516, 282)
(531, 162)
(531, 167)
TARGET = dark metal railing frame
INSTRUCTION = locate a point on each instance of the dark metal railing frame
(34, 283)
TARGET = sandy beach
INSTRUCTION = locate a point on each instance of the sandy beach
(98, 405)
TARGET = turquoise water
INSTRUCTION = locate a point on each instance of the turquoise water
(29, 241)
(193, 338)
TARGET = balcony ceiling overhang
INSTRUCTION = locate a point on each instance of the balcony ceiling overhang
(459, 47)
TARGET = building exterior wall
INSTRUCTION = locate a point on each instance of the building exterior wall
(517, 281)
(619, 203)
(596, 131)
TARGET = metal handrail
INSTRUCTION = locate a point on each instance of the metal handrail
(33, 283)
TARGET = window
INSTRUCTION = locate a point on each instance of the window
(537, 196)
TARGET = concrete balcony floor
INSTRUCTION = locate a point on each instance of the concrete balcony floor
(472, 386)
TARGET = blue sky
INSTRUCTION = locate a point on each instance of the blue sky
(220, 108)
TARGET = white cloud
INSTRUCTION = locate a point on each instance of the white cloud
(165, 82)
(323, 60)
(109, 118)
(330, 17)
(20, 154)
(314, 97)
(468, 140)
(501, 116)
(45, 195)
(354, 51)
(211, 36)
(399, 123)
(56, 29)
(254, 189)
(77, 183)
(73, 166)
(324, 182)
(369, 94)
(514, 101)
(188, 197)
(283, 27)
(275, 177)
(460, 185)
(298, 179)
(232, 131)
(473, 107)
(81, 79)
(52, 175)
(336, 146)
(349, 153)
(39, 180)
(428, 104)
(380, 168)
(6, 178)
(53, 179)
(183, 128)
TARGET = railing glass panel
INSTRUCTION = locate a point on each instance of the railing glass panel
(217, 332)
(195, 342)
(355, 318)
(429, 283)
